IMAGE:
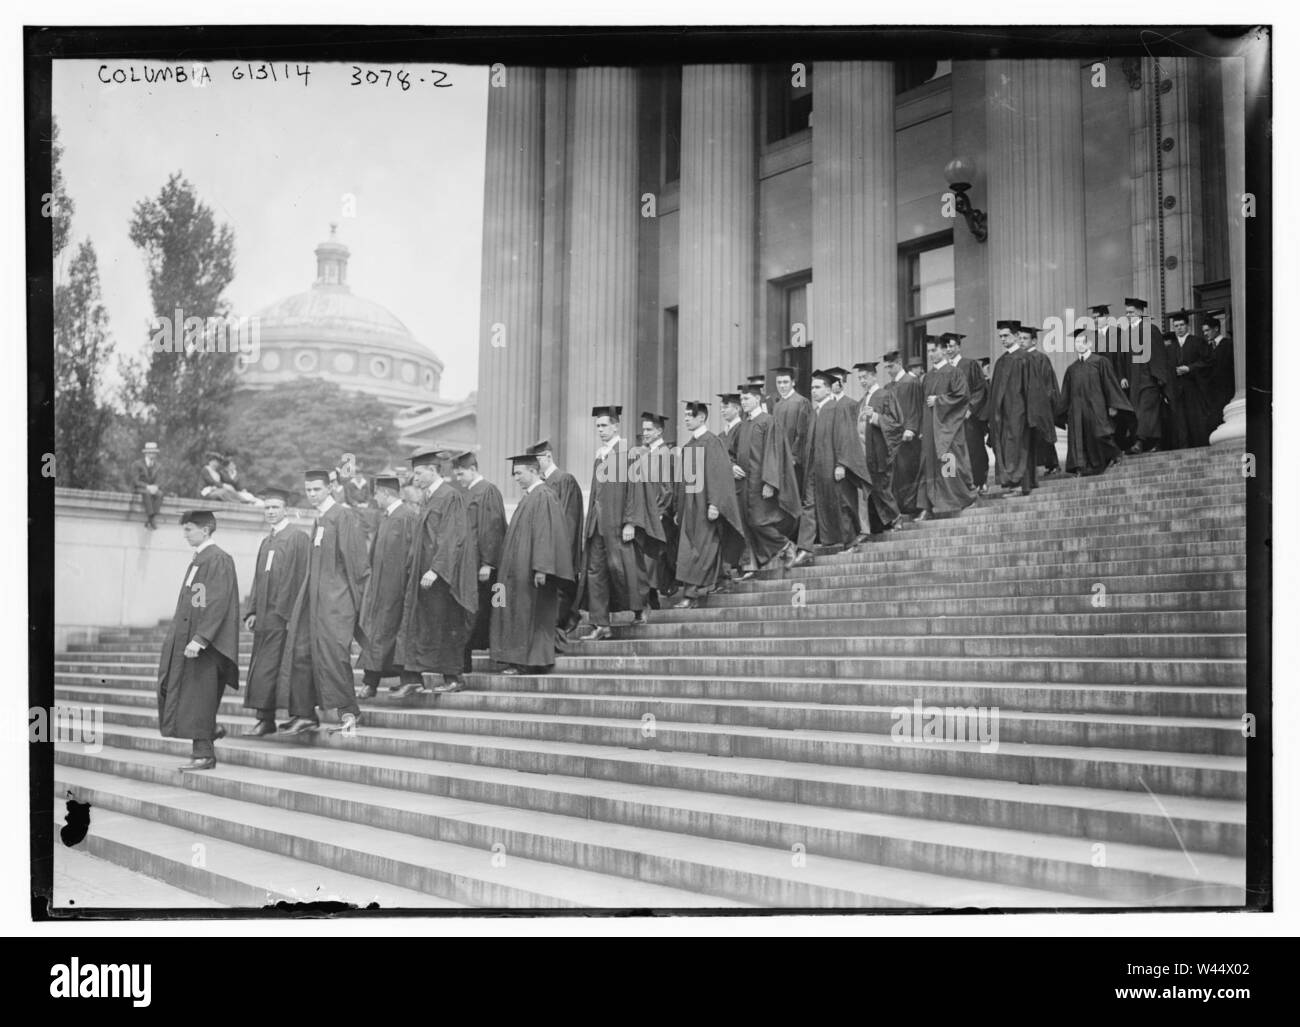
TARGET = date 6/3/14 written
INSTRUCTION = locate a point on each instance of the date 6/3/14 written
(401, 77)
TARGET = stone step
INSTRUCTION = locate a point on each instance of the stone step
(751, 800)
(745, 870)
(534, 846)
(84, 882)
(959, 534)
(461, 874)
(994, 647)
(225, 872)
(1082, 518)
(1208, 775)
(1123, 731)
(1200, 701)
(1076, 670)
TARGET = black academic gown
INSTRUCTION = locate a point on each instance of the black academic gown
(385, 597)
(278, 576)
(763, 453)
(830, 507)
(207, 610)
(326, 617)
(569, 495)
(485, 523)
(1190, 417)
(523, 621)
(1008, 409)
(733, 550)
(1219, 382)
(794, 416)
(880, 441)
(907, 457)
(945, 485)
(1143, 364)
(436, 621)
(977, 427)
(1089, 392)
(701, 542)
(660, 562)
(1044, 395)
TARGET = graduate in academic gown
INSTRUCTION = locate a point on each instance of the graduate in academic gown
(1145, 373)
(771, 501)
(278, 577)
(534, 558)
(1187, 358)
(657, 461)
(1091, 405)
(485, 530)
(880, 429)
(569, 495)
(200, 655)
(1044, 394)
(977, 426)
(1219, 383)
(441, 582)
(735, 555)
(622, 526)
(836, 468)
(946, 485)
(384, 601)
(1008, 407)
(1105, 339)
(326, 615)
(793, 414)
(910, 396)
(707, 512)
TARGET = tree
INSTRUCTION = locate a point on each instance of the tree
(61, 205)
(81, 346)
(190, 261)
(309, 424)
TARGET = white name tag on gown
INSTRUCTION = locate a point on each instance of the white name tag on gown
(270, 555)
(320, 534)
(194, 569)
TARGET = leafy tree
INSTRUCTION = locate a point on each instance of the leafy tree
(282, 432)
(190, 262)
(81, 346)
(61, 205)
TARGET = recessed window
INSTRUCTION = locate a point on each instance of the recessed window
(380, 367)
(929, 289)
(789, 99)
(305, 360)
(672, 129)
(910, 74)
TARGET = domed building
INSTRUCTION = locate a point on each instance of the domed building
(329, 332)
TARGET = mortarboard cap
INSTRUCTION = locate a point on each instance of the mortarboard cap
(789, 372)
(839, 373)
(1029, 330)
(1180, 315)
(202, 518)
(696, 408)
(388, 482)
(528, 458)
(952, 337)
(756, 379)
(914, 362)
(985, 361)
(825, 376)
(429, 458)
(539, 447)
(728, 397)
(865, 365)
(753, 388)
(1099, 309)
(1130, 301)
(1011, 324)
(659, 419)
(1079, 331)
(612, 412)
(465, 460)
(283, 495)
(891, 357)
(319, 475)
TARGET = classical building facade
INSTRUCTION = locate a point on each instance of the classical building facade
(654, 234)
(329, 332)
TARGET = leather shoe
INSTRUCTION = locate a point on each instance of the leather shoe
(299, 725)
(409, 689)
(263, 727)
(219, 733)
(203, 763)
(803, 559)
(597, 634)
(366, 691)
(638, 617)
(450, 684)
(511, 671)
(685, 604)
(347, 724)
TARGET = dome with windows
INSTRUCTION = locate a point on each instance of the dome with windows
(328, 332)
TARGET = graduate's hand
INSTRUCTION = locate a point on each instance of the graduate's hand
(967, 413)
(193, 649)
(1182, 368)
(768, 492)
(931, 400)
(839, 472)
(737, 471)
(249, 621)
(1123, 383)
(428, 579)
(1111, 411)
(484, 573)
(908, 435)
(713, 512)
(875, 418)
(539, 579)
(629, 532)
(153, 490)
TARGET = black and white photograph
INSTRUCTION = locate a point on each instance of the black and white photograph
(606, 470)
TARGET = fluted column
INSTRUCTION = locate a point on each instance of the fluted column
(1144, 213)
(1234, 140)
(1037, 260)
(510, 329)
(717, 344)
(604, 213)
(855, 254)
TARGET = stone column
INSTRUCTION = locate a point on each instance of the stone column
(603, 224)
(855, 249)
(717, 344)
(510, 327)
(1234, 119)
(1037, 258)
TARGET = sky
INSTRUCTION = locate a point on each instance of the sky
(278, 160)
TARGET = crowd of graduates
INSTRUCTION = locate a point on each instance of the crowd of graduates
(422, 571)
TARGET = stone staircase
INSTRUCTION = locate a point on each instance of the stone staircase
(743, 754)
